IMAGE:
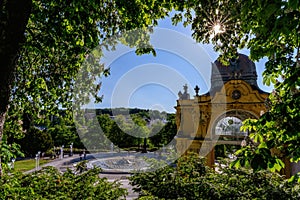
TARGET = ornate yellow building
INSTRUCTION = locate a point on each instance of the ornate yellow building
(215, 117)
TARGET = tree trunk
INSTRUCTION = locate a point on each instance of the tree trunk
(2, 120)
(145, 146)
(14, 15)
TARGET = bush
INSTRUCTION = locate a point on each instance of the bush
(36, 140)
(191, 179)
(49, 183)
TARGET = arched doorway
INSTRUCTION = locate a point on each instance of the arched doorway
(229, 127)
(229, 123)
(228, 134)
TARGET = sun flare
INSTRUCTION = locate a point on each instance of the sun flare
(218, 28)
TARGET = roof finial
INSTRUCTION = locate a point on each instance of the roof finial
(197, 89)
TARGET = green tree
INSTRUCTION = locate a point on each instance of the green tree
(95, 138)
(140, 129)
(268, 29)
(124, 132)
(13, 20)
(132, 131)
(156, 138)
(43, 43)
(62, 135)
(60, 33)
(36, 140)
(105, 122)
(165, 133)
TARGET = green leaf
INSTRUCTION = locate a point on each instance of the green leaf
(280, 162)
(268, 79)
(258, 138)
(262, 145)
(292, 179)
(236, 164)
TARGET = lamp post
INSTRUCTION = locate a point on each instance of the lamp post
(62, 152)
(37, 161)
(163, 149)
(71, 149)
(112, 147)
(39, 156)
(13, 163)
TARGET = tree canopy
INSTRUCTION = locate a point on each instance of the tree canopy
(269, 29)
(43, 43)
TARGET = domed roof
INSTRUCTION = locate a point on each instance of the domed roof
(241, 69)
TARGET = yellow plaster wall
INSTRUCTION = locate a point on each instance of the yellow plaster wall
(197, 117)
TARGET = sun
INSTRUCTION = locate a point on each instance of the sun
(218, 28)
(218, 22)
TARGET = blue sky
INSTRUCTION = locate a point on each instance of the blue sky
(153, 82)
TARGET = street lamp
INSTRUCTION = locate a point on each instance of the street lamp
(112, 147)
(13, 163)
(71, 149)
(163, 149)
(62, 152)
(37, 159)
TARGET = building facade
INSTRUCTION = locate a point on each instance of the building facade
(206, 120)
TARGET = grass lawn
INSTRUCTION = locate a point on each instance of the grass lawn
(25, 165)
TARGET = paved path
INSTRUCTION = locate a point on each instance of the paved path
(123, 179)
(68, 162)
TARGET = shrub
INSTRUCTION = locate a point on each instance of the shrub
(36, 140)
(191, 179)
(49, 183)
